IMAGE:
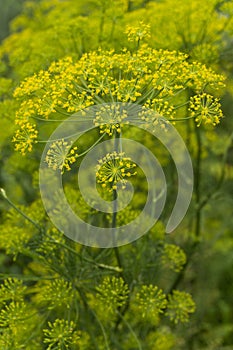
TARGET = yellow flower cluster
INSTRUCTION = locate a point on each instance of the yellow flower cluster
(109, 118)
(200, 78)
(25, 137)
(56, 293)
(60, 155)
(153, 119)
(138, 33)
(206, 52)
(113, 170)
(152, 78)
(205, 108)
(61, 334)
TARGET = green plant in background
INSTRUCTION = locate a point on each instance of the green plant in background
(60, 295)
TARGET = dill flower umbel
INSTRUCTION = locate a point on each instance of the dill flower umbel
(113, 170)
(60, 155)
(56, 293)
(61, 334)
(25, 137)
(12, 289)
(205, 108)
(137, 33)
(151, 301)
(113, 293)
(155, 79)
(109, 118)
(180, 305)
(173, 257)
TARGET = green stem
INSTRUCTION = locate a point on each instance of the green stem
(4, 195)
(197, 190)
(87, 306)
(92, 146)
(197, 185)
(221, 177)
(102, 266)
(102, 22)
(130, 329)
(114, 215)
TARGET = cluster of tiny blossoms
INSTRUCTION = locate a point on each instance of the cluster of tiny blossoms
(109, 118)
(173, 257)
(180, 306)
(152, 78)
(205, 108)
(151, 302)
(60, 155)
(25, 137)
(61, 334)
(113, 170)
(138, 33)
(113, 293)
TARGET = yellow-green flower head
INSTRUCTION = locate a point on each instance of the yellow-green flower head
(109, 118)
(61, 334)
(138, 33)
(206, 53)
(173, 257)
(12, 289)
(25, 137)
(205, 108)
(13, 314)
(113, 293)
(60, 155)
(180, 306)
(151, 301)
(114, 170)
(56, 293)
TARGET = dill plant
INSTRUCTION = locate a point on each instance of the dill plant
(63, 295)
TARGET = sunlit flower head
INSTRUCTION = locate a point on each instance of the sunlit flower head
(25, 137)
(205, 108)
